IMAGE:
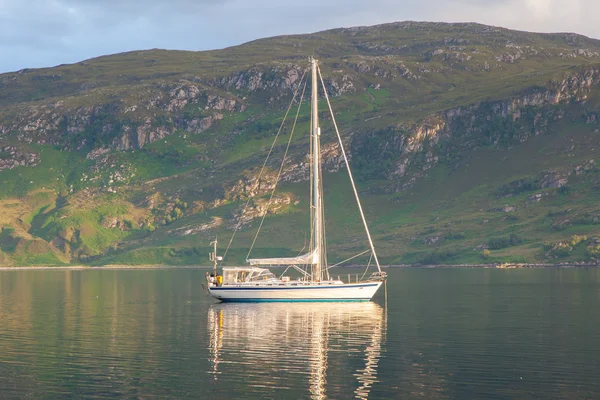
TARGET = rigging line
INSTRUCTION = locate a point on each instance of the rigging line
(323, 231)
(348, 259)
(237, 226)
(302, 251)
(280, 170)
(283, 273)
(366, 269)
(337, 131)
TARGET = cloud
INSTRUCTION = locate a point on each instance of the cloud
(531, 15)
(37, 33)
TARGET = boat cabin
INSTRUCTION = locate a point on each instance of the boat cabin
(233, 275)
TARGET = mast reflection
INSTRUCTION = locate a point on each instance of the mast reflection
(298, 338)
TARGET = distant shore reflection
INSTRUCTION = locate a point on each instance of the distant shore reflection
(279, 338)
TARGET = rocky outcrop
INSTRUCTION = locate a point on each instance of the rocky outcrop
(383, 67)
(331, 158)
(250, 186)
(553, 179)
(505, 209)
(180, 96)
(187, 93)
(115, 223)
(12, 156)
(261, 207)
(223, 104)
(584, 168)
(402, 147)
(281, 77)
(199, 125)
(198, 228)
(131, 139)
(127, 124)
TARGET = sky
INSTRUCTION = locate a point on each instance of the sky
(43, 33)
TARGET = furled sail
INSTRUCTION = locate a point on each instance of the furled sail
(308, 258)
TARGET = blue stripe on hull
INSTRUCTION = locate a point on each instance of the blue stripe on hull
(291, 300)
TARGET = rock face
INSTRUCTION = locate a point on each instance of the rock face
(12, 156)
(195, 229)
(199, 125)
(331, 157)
(414, 147)
(142, 135)
(250, 185)
(196, 103)
(260, 207)
(553, 179)
(281, 77)
(122, 124)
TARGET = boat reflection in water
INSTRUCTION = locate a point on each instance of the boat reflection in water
(276, 343)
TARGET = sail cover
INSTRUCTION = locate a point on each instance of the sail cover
(308, 258)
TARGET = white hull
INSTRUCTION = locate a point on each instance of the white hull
(311, 292)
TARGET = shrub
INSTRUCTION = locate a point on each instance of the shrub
(437, 257)
(504, 242)
(562, 250)
(518, 186)
(587, 219)
(593, 250)
(454, 235)
(575, 240)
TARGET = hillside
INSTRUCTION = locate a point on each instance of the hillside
(471, 143)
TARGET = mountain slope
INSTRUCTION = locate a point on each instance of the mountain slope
(471, 143)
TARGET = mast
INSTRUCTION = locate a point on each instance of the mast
(317, 203)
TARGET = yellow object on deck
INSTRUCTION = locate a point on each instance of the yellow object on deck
(219, 280)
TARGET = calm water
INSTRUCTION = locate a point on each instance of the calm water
(443, 334)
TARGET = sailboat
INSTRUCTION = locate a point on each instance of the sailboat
(257, 283)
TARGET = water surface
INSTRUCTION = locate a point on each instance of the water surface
(441, 334)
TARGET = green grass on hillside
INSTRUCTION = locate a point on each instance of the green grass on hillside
(114, 206)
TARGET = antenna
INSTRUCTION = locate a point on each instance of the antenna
(213, 255)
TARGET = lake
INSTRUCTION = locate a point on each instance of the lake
(432, 334)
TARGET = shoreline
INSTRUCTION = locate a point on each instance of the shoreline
(202, 267)
(503, 266)
(102, 267)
